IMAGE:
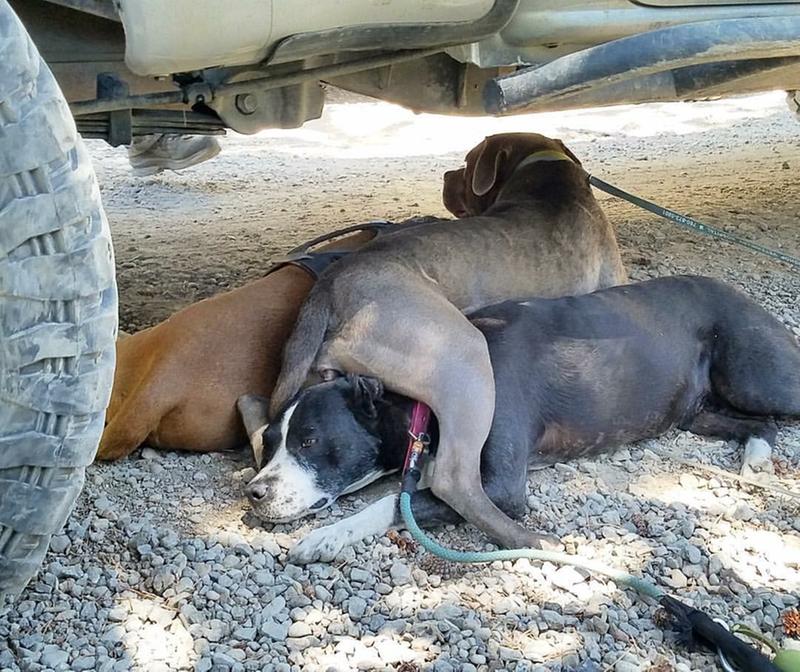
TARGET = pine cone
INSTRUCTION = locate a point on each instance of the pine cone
(408, 546)
(408, 667)
(791, 623)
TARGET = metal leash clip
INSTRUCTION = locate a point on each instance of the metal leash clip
(422, 438)
(723, 661)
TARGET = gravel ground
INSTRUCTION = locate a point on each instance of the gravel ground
(161, 567)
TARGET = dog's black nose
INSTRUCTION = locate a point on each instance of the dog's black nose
(256, 491)
(319, 504)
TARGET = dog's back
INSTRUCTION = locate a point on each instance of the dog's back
(543, 234)
(515, 249)
(629, 362)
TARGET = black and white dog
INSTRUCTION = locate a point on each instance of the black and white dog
(574, 377)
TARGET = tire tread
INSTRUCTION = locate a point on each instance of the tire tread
(58, 311)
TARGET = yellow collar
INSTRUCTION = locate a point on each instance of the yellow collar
(543, 155)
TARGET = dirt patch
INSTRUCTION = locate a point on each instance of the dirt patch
(183, 236)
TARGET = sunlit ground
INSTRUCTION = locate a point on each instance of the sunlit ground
(362, 130)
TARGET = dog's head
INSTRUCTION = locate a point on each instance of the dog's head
(470, 190)
(325, 443)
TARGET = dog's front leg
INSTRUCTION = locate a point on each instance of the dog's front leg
(325, 543)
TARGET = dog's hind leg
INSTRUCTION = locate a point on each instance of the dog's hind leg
(134, 412)
(448, 368)
(755, 371)
(457, 480)
(756, 364)
(504, 474)
(756, 434)
(126, 430)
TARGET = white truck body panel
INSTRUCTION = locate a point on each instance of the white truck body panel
(183, 35)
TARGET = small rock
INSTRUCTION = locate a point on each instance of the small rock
(190, 615)
(359, 575)
(102, 505)
(244, 633)
(214, 630)
(117, 614)
(53, 656)
(687, 528)
(114, 635)
(274, 630)
(552, 618)
(59, 543)
(676, 579)
(741, 511)
(567, 577)
(693, 554)
(263, 578)
(356, 607)
(84, 663)
(300, 643)
(447, 611)
(299, 629)
(219, 659)
(400, 573)
(504, 605)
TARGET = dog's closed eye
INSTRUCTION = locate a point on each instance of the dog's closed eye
(307, 443)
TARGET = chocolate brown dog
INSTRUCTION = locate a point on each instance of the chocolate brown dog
(394, 310)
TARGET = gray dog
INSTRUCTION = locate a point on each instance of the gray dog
(394, 309)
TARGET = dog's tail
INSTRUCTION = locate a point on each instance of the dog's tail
(302, 348)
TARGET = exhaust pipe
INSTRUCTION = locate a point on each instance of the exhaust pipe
(641, 56)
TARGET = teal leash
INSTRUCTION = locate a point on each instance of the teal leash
(693, 224)
(417, 447)
(621, 578)
(692, 622)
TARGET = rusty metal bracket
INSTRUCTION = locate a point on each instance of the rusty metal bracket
(120, 123)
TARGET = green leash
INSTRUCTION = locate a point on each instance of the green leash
(693, 224)
(415, 454)
(689, 620)
(621, 578)
(692, 623)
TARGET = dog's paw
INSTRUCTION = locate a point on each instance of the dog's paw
(757, 460)
(548, 542)
(322, 545)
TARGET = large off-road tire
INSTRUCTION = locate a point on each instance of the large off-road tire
(58, 308)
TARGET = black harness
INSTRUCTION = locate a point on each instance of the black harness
(314, 263)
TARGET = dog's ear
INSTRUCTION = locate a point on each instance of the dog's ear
(567, 151)
(487, 167)
(254, 410)
(366, 393)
